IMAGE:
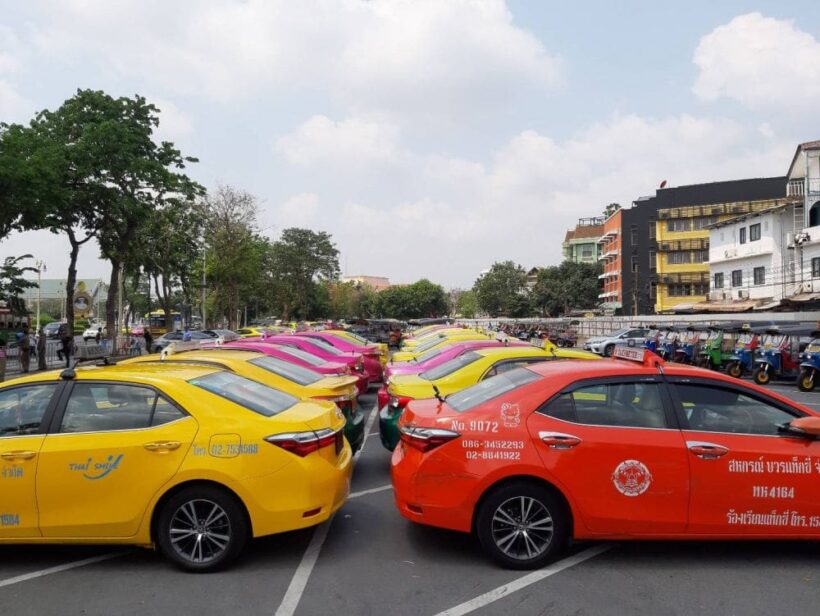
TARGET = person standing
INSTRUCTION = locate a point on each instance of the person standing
(24, 343)
(149, 340)
(68, 346)
(41, 350)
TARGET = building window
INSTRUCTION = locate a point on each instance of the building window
(737, 278)
(633, 235)
(742, 235)
(719, 280)
(679, 224)
(815, 267)
(652, 264)
(678, 258)
(754, 232)
(651, 228)
(701, 222)
(679, 290)
(653, 291)
(586, 251)
(700, 256)
(634, 263)
(759, 275)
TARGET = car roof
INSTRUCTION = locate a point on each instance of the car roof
(139, 372)
(511, 351)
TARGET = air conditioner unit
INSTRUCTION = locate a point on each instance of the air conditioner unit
(716, 296)
(741, 294)
(729, 253)
(790, 240)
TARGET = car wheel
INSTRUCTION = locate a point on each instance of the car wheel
(201, 529)
(521, 525)
(608, 350)
(761, 376)
(734, 369)
(805, 382)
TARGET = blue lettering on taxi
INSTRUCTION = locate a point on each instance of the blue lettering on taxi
(96, 470)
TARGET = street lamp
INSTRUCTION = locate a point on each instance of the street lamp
(41, 267)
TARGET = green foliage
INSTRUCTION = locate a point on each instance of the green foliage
(498, 290)
(418, 300)
(466, 304)
(565, 287)
(12, 283)
(45, 319)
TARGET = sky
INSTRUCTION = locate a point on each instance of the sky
(431, 138)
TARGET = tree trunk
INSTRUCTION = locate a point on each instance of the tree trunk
(111, 301)
(71, 281)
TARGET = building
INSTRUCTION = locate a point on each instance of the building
(377, 283)
(532, 277)
(640, 278)
(804, 186)
(611, 295)
(750, 262)
(580, 244)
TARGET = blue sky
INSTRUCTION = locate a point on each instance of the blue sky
(432, 138)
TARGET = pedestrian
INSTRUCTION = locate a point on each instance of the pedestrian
(149, 340)
(67, 349)
(186, 335)
(41, 350)
(24, 344)
(98, 335)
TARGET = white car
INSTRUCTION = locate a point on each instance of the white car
(91, 332)
(604, 345)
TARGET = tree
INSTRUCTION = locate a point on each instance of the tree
(562, 288)
(298, 261)
(420, 299)
(465, 303)
(13, 285)
(497, 289)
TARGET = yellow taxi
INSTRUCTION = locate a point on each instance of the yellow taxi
(259, 332)
(412, 343)
(292, 379)
(438, 340)
(189, 459)
(459, 373)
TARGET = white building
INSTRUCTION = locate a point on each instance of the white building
(804, 185)
(749, 258)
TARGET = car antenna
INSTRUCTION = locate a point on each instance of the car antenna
(437, 393)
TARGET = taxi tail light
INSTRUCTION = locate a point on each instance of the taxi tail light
(345, 403)
(303, 443)
(426, 439)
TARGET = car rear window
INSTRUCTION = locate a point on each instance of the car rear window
(254, 396)
(423, 357)
(322, 345)
(291, 372)
(451, 366)
(488, 389)
(429, 344)
(303, 355)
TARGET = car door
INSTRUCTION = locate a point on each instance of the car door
(111, 448)
(748, 478)
(615, 446)
(24, 413)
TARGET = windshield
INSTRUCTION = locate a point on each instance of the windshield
(358, 339)
(423, 357)
(306, 357)
(426, 346)
(287, 370)
(451, 366)
(326, 346)
(254, 396)
(479, 393)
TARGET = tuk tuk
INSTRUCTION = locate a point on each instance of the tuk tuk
(747, 343)
(653, 338)
(810, 364)
(689, 344)
(668, 344)
(780, 354)
(719, 345)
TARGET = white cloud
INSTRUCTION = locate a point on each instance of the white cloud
(417, 57)
(763, 63)
(13, 105)
(299, 210)
(173, 121)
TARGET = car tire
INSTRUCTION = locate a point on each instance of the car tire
(208, 545)
(761, 376)
(608, 350)
(503, 508)
(735, 369)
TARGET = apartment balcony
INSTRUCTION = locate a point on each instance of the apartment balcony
(814, 186)
(607, 294)
(609, 274)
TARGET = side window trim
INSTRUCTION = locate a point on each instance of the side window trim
(669, 409)
(681, 414)
(50, 411)
(59, 412)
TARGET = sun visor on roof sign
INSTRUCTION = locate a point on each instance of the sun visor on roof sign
(638, 355)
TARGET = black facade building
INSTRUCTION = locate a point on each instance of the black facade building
(638, 229)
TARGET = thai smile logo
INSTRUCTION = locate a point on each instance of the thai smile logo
(96, 470)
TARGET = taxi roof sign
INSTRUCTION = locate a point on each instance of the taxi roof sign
(635, 354)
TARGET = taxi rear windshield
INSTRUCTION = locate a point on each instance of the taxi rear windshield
(423, 357)
(469, 398)
(287, 370)
(254, 396)
(318, 342)
(426, 346)
(306, 357)
(448, 367)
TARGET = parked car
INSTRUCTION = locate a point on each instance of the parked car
(604, 345)
(91, 332)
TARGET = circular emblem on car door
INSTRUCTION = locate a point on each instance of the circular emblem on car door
(631, 478)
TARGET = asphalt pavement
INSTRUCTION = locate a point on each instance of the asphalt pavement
(369, 560)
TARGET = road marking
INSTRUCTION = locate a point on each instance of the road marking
(370, 491)
(300, 578)
(522, 582)
(59, 568)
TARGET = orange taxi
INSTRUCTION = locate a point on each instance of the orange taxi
(611, 449)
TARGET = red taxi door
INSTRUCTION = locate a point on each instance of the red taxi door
(614, 445)
(747, 477)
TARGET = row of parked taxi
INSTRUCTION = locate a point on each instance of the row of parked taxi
(193, 451)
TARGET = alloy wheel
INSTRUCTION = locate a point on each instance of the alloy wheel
(200, 531)
(522, 527)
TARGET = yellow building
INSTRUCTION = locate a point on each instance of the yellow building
(682, 258)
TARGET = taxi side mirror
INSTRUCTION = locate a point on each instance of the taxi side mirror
(804, 426)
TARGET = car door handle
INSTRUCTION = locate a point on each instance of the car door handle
(706, 451)
(162, 446)
(18, 455)
(559, 440)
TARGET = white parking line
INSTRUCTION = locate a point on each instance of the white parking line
(297, 585)
(522, 582)
(59, 568)
(370, 491)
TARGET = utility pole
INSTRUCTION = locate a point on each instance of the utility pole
(204, 313)
(41, 267)
(120, 320)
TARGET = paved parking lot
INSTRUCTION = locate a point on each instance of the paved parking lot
(369, 560)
